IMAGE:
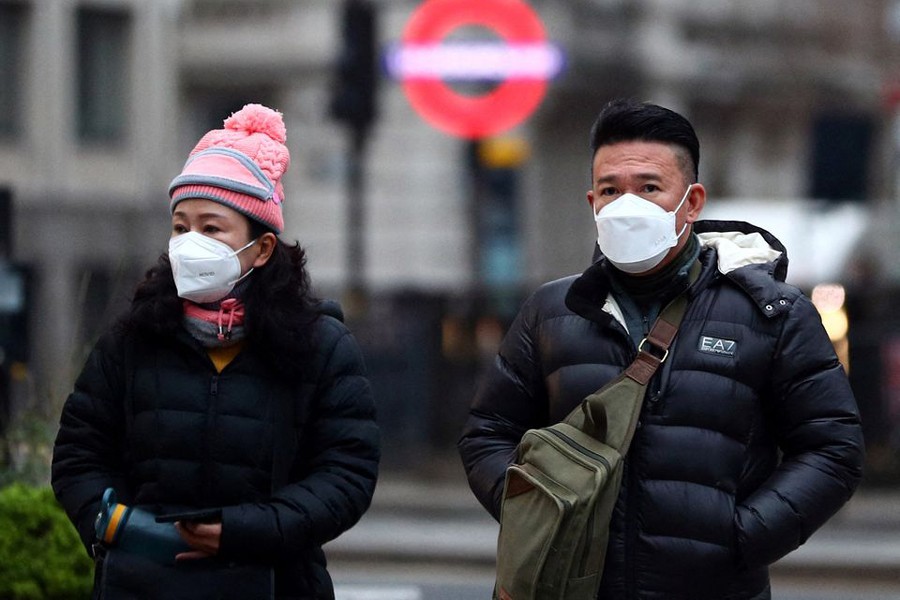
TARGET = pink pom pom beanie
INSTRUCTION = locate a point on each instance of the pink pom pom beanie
(240, 166)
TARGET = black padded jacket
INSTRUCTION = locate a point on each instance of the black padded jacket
(155, 420)
(749, 437)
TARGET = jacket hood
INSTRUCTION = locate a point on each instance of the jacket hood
(739, 244)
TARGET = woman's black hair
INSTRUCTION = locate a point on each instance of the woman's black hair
(279, 306)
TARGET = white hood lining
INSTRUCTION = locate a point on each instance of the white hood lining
(736, 249)
(612, 308)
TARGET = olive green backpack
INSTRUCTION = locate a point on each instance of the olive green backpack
(559, 496)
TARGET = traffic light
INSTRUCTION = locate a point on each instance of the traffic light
(841, 152)
(355, 88)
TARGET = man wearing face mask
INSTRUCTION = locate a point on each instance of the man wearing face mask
(224, 429)
(748, 438)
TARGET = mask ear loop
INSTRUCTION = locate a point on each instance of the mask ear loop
(253, 241)
(235, 253)
(677, 208)
(232, 306)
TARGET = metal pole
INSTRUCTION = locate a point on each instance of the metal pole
(6, 224)
(356, 300)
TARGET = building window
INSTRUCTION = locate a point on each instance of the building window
(12, 28)
(103, 75)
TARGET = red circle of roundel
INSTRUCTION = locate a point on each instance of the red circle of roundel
(509, 103)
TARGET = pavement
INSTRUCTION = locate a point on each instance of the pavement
(434, 519)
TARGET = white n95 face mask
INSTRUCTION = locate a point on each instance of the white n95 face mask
(205, 269)
(635, 234)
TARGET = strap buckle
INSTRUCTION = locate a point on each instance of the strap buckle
(653, 346)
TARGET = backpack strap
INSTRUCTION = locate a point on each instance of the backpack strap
(654, 349)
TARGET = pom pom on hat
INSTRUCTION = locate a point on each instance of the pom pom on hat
(256, 118)
(240, 166)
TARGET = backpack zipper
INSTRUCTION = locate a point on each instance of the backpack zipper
(573, 444)
(582, 568)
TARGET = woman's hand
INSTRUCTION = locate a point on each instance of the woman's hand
(202, 537)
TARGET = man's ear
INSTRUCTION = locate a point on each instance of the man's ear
(696, 201)
(266, 244)
(590, 199)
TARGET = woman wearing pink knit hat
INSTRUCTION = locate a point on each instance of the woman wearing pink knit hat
(224, 429)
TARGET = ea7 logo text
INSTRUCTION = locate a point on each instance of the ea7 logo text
(712, 345)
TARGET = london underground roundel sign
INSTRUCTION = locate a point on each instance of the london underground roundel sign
(521, 63)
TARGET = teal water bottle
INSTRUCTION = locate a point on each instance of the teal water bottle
(136, 531)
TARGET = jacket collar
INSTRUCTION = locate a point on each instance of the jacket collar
(589, 294)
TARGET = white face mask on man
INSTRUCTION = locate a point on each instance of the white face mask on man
(635, 234)
(205, 269)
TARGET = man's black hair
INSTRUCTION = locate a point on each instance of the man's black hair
(625, 120)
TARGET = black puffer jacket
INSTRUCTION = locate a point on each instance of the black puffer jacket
(706, 503)
(155, 421)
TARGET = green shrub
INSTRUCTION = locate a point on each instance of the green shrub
(41, 556)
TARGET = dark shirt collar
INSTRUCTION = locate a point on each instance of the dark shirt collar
(660, 287)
